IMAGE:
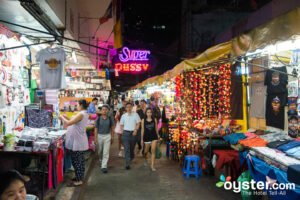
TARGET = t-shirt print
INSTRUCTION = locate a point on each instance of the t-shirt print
(292, 101)
(293, 126)
(275, 81)
(53, 63)
(150, 126)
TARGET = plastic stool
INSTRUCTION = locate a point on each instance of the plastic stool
(188, 170)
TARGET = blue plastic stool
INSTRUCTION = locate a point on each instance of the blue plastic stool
(188, 169)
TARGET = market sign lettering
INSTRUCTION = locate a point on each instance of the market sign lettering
(131, 67)
(130, 61)
(133, 55)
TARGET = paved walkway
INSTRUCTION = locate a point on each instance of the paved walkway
(139, 183)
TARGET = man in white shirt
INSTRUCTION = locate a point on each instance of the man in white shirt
(130, 124)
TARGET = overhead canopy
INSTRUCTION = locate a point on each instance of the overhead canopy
(278, 29)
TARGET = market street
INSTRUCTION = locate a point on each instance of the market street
(139, 183)
(207, 90)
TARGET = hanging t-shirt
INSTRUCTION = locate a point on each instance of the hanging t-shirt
(258, 99)
(52, 75)
(275, 81)
(275, 110)
(293, 89)
(293, 126)
(33, 86)
(295, 59)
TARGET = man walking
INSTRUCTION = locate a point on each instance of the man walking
(130, 124)
(104, 136)
(92, 106)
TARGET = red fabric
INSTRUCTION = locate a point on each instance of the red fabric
(230, 157)
(59, 163)
(254, 142)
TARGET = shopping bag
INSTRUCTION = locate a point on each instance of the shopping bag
(246, 177)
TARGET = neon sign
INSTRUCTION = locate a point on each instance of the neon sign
(132, 67)
(132, 61)
(133, 55)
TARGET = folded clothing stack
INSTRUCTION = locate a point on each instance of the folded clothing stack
(24, 145)
(41, 146)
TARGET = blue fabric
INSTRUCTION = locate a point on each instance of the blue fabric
(242, 157)
(288, 146)
(92, 108)
(294, 152)
(234, 138)
(260, 169)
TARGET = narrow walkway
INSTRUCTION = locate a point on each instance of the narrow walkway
(139, 183)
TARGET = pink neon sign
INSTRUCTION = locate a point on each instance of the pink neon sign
(133, 55)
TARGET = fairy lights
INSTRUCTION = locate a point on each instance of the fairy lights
(203, 99)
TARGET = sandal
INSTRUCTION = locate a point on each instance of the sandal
(74, 185)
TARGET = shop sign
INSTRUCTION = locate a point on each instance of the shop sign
(133, 67)
(132, 61)
(133, 55)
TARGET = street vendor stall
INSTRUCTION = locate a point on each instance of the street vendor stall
(250, 82)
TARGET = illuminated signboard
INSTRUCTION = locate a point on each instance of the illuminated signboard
(132, 61)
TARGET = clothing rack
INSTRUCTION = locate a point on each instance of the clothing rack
(261, 66)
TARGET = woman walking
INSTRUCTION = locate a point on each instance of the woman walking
(77, 141)
(118, 129)
(150, 136)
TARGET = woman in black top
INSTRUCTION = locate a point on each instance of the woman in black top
(150, 136)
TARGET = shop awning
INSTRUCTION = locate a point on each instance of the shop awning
(278, 29)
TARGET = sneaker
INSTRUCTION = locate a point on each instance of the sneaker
(120, 154)
(127, 167)
(145, 164)
(104, 170)
(153, 169)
